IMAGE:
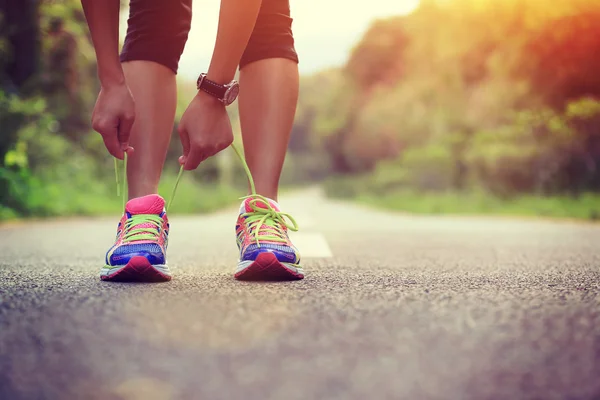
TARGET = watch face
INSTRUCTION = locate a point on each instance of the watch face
(231, 94)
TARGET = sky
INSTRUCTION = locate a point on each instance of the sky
(325, 30)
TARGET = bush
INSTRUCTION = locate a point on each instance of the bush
(540, 152)
(46, 174)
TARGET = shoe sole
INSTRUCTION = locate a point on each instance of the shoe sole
(138, 269)
(267, 267)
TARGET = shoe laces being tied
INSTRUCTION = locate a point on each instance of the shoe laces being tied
(140, 226)
(265, 222)
(122, 183)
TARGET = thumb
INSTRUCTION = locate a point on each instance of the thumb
(185, 143)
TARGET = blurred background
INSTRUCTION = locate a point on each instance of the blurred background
(430, 106)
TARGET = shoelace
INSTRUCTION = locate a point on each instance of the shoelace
(140, 226)
(264, 222)
(135, 231)
(122, 185)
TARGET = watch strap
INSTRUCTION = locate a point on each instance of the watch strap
(212, 88)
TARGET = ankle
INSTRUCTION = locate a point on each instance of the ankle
(136, 192)
(269, 193)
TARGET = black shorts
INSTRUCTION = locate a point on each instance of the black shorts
(158, 29)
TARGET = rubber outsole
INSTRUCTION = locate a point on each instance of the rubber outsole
(138, 269)
(267, 267)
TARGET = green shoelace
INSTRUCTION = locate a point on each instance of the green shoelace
(264, 221)
(145, 232)
(122, 184)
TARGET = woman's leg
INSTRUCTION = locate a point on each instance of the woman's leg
(268, 94)
(155, 94)
(268, 97)
(156, 35)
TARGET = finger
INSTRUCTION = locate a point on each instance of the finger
(112, 145)
(108, 131)
(185, 143)
(194, 158)
(125, 125)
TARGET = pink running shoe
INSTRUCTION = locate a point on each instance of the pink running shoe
(266, 252)
(139, 253)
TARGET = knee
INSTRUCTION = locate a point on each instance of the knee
(157, 31)
(272, 36)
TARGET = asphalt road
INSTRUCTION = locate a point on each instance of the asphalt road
(408, 307)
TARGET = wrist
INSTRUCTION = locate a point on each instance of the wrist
(112, 83)
(225, 93)
(111, 77)
(220, 75)
(208, 99)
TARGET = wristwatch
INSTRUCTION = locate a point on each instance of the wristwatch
(226, 94)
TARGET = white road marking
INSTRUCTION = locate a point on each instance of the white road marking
(304, 221)
(311, 245)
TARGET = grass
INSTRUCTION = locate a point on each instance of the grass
(584, 207)
(195, 198)
(98, 199)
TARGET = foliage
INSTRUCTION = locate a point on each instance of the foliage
(541, 152)
(372, 191)
(570, 46)
(492, 96)
(377, 59)
(34, 188)
(585, 207)
(51, 163)
(489, 99)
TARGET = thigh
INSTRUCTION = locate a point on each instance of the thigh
(274, 18)
(272, 36)
(157, 30)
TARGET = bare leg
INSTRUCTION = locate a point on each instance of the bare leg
(267, 104)
(155, 94)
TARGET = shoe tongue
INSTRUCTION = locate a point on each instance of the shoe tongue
(150, 204)
(247, 207)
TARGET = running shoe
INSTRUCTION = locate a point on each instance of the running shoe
(139, 252)
(266, 252)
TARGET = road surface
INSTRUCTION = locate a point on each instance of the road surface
(411, 307)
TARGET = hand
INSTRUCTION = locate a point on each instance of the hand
(113, 118)
(204, 130)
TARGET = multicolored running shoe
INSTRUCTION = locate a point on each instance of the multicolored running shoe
(139, 252)
(266, 252)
